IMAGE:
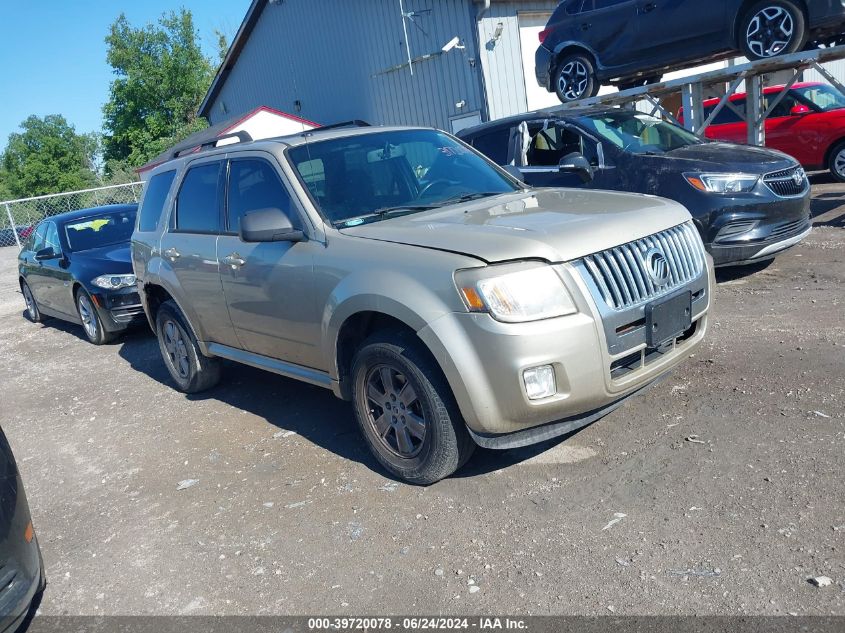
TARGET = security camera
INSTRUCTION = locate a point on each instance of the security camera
(455, 42)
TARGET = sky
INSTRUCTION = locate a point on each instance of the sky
(53, 53)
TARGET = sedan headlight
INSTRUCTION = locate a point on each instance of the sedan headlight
(114, 282)
(723, 183)
(515, 293)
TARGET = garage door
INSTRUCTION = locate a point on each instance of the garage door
(530, 25)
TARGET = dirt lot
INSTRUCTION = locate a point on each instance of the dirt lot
(292, 516)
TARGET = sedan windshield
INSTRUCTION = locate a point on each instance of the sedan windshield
(100, 230)
(824, 97)
(639, 133)
(370, 177)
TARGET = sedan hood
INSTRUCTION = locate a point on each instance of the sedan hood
(554, 225)
(113, 259)
(725, 157)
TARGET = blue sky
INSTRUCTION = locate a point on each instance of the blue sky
(53, 53)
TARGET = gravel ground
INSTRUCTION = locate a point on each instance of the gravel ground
(290, 515)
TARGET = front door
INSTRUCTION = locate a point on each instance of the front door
(550, 143)
(676, 30)
(189, 252)
(56, 291)
(268, 285)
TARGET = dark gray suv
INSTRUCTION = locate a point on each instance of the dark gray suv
(405, 272)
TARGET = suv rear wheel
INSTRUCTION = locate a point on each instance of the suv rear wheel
(190, 369)
(406, 411)
(770, 28)
(575, 78)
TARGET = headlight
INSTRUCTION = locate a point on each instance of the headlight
(114, 282)
(723, 183)
(515, 292)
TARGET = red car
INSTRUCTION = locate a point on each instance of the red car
(808, 124)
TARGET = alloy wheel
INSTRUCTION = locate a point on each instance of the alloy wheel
(770, 31)
(89, 319)
(395, 411)
(573, 80)
(839, 163)
(177, 350)
(30, 302)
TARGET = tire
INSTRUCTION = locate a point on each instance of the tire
(836, 162)
(92, 325)
(190, 369)
(575, 78)
(770, 28)
(32, 311)
(402, 361)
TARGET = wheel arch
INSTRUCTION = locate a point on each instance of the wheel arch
(828, 153)
(570, 48)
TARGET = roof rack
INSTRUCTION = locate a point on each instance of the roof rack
(242, 136)
(352, 123)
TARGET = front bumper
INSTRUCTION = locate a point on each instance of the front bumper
(119, 309)
(484, 359)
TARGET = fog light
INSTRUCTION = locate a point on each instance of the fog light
(539, 382)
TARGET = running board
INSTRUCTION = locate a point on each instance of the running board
(289, 370)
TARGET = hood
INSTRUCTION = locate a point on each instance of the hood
(725, 157)
(112, 259)
(554, 225)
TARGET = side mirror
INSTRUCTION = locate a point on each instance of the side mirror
(577, 164)
(45, 254)
(799, 110)
(269, 225)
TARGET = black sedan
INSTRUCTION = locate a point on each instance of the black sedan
(632, 42)
(22, 573)
(748, 203)
(77, 267)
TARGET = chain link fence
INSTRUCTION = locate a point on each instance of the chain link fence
(18, 218)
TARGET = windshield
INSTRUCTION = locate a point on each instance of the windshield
(100, 230)
(639, 133)
(368, 177)
(824, 97)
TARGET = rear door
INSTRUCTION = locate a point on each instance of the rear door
(605, 26)
(189, 251)
(268, 285)
(728, 124)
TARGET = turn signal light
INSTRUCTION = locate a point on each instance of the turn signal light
(472, 299)
(28, 533)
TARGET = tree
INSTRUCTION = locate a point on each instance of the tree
(162, 77)
(47, 156)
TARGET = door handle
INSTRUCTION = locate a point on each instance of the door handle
(647, 8)
(234, 260)
(172, 254)
(586, 26)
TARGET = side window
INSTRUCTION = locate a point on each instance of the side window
(254, 184)
(494, 145)
(152, 204)
(38, 237)
(577, 6)
(198, 203)
(51, 238)
(784, 107)
(548, 146)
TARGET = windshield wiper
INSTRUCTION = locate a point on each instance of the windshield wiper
(385, 212)
(466, 197)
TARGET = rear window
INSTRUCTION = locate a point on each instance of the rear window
(198, 202)
(494, 145)
(153, 202)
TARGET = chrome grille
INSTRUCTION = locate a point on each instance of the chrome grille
(621, 274)
(787, 182)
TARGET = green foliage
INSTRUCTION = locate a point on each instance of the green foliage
(48, 156)
(161, 79)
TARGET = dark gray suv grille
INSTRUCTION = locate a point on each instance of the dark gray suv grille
(625, 275)
(787, 182)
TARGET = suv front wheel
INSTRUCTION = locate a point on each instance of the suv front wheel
(406, 411)
(190, 369)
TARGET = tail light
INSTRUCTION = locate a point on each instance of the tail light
(544, 34)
